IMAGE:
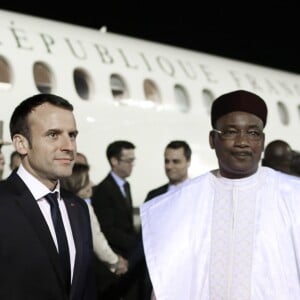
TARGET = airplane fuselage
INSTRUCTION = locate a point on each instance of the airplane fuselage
(107, 77)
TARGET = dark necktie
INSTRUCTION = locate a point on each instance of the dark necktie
(63, 248)
(128, 194)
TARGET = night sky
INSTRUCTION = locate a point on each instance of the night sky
(265, 33)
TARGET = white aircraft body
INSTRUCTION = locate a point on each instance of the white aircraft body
(136, 90)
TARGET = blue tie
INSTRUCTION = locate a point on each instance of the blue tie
(63, 249)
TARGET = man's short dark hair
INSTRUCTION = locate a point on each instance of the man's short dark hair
(115, 148)
(181, 144)
(19, 119)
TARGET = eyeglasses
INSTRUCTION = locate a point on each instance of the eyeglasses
(232, 134)
(127, 161)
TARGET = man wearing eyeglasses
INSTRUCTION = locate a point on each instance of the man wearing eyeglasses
(232, 233)
(112, 204)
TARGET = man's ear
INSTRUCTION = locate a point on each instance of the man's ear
(211, 139)
(20, 143)
(114, 161)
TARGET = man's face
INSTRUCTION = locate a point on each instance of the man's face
(240, 156)
(52, 150)
(124, 165)
(176, 165)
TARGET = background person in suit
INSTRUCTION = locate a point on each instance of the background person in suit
(113, 208)
(43, 131)
(177, 162)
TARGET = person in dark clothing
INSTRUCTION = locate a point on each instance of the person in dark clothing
(113, 207)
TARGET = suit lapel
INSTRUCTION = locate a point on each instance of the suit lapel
(122, 200)
(31, 210)
(79, 237)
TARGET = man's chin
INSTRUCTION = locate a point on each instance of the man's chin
(66, 172)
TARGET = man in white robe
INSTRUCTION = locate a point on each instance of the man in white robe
(232, 233)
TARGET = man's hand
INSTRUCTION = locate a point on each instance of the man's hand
(121, 266)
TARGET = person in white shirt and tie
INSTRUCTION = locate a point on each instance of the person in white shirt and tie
(36, 233)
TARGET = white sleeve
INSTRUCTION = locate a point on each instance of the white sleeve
(100, 245)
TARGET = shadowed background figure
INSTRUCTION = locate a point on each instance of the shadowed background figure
(278, 155)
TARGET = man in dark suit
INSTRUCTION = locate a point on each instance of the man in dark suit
(43, 131)
(112, 204)
(177, 161)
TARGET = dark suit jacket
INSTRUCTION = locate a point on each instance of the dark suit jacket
(116, 219)
(156, 192)
(115, 215)
(29, 262)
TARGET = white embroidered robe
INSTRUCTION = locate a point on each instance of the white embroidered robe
(224, 239)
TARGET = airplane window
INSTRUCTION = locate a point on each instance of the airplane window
(283, 113)
(181, 98)
(118, 87)
(5, 75)
(83, 83)
(43, 77)
(151, 91)
(208, 98)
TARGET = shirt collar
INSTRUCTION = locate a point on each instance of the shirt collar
(37, 189)
(120, 182)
